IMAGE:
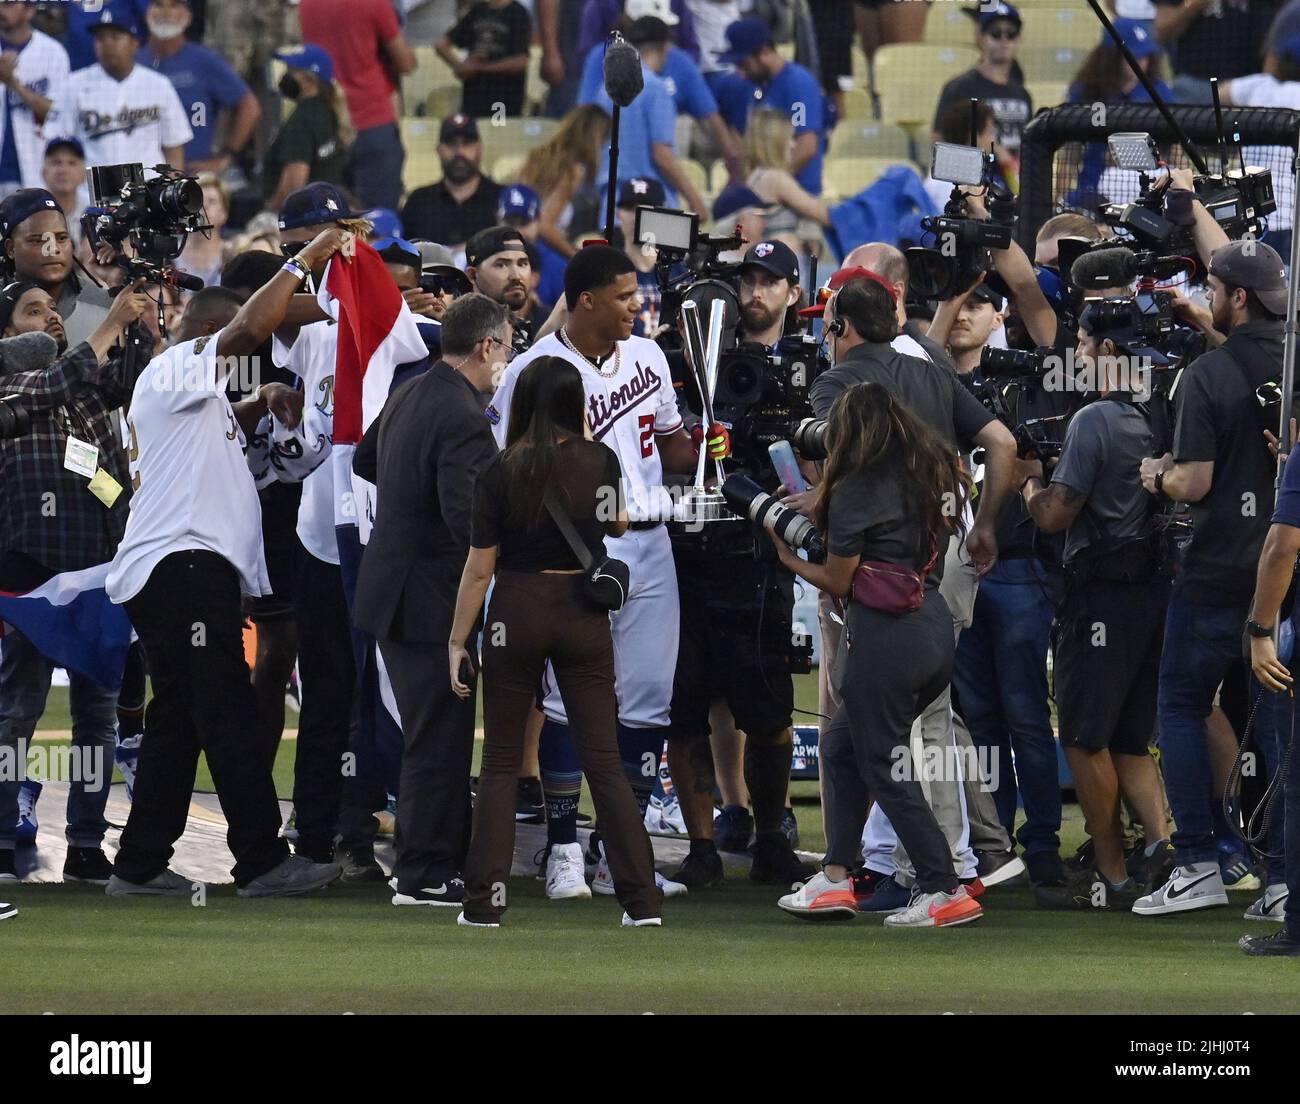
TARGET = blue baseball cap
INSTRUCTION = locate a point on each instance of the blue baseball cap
(73, 144)
(384, 223)
(518, 201)
(312, 59)
(399, 251)
(745, 38)
(315, 204)
(988, 14)
(19, 206)
(1137, 37)
(736, 197)
(117, 17)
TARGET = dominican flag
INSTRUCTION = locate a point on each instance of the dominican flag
(377, 332)
(71, 622)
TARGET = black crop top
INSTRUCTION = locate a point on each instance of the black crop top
(587, 484)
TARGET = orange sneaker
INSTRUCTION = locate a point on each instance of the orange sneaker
(937, 910)
(821, 899)
(974, 887)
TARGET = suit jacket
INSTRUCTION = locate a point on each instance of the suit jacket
(433, 440)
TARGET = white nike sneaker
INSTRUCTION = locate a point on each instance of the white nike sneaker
(645, 922)
(564, 873)
(1191, 887)
(603, 882)
(1272, 906)
(820, 898)
(466, 922)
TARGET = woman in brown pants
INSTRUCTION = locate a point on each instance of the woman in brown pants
(538, 613)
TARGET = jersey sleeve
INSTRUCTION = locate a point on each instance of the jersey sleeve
(498, 410)
(697, 101)
(175, 127)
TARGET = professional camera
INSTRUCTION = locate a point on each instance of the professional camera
(963, 245)
(14, 419)
(687, 262)
(155, 216)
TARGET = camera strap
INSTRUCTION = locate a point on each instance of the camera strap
(1256, 412)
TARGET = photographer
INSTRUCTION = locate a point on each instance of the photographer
(38, 247)
(863, 319)
(1110, 622)
(737, 612)
(498, 266)
(1221, 466)
(193, 543)
(51, 521)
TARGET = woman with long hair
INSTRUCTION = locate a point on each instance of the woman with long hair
(540, 612)
(768, 137)
(204, 254)
(311, 145)
(890, 498)
(563, 167)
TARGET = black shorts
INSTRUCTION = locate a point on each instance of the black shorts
(1107, 664)
(725, 636)
(280, 543)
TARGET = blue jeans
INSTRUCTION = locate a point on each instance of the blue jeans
(377, 160)
(1201, 643)
(1000, 677)
(24, 686)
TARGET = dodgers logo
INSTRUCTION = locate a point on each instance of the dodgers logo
(493, 415)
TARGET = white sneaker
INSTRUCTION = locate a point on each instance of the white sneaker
(1272, 906)
(564, 873)
(819, 898)
(603, 882)
(464, 922)
(937, 910)
(647, 922)
(1191, 887)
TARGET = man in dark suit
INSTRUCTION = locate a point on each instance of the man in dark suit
(427, 448)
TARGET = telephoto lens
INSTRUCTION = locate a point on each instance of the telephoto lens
(14, 420)
(809, 439)
(749, 500)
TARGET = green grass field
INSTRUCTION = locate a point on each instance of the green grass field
(728, 950)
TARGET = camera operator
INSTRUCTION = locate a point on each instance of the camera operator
(1110, 622)
(497, 264)
(863, 319)
(53, 521)
(193, 543)
(889, 262)
(737, 613)
(1221, 467)
(38, 247)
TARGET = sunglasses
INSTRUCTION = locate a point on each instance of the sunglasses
(1003, 34)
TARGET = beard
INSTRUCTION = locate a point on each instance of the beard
(758, 318)
(515, 296)
(459, 170)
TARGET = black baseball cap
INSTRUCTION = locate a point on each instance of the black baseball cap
(641, 191)
(19, 206)
(315, 204)
(9, 296)
(648, 30)
(777, 257)
(986, 294)
(488, 243)
(460, 126)
(1255, 266)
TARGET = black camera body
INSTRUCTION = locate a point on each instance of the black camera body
(156, 216)
(963, 246)
(15, 420)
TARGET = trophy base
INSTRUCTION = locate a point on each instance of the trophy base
(699, 506)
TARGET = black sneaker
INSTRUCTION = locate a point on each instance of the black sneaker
(790, 827)
(1088, 891)
(733, 828)
(446, 893)
(999, 867)
(699, 870)
(1152, 870)
(8, 872)
(358, 866)
(775, 862)
(1281, 944)
(7, 911)
(87, 864)
(1047, 869)
(529, 803)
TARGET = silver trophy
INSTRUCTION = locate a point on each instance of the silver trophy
(704, 504)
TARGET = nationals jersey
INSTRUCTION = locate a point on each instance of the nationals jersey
(192, 485)
(117, 122)
(625, 411)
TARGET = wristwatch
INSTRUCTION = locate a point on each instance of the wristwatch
(1259, 631)
(1160, 483)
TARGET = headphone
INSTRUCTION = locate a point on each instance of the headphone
(835, 327)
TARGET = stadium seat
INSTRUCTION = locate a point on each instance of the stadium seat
(697, 175)
(1052, 63)
(855, 138)
(1061, 25)
(505, 170)
(948, 25)
(442, 101)
(847, 176)
(857, 103)
(420, 139)
(1047, 93)
(534, 87)
(909, 77)
(431, 72)
(513, 137)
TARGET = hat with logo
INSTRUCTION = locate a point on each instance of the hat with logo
(745, 37)
(315, 204)
(777, 257)
(987, 14)
(9, 296)
(518, 201)
(458, 126)
(641, 191)
(1255, 266)
(19, 206)
(116, 17)
(1136, 35)
(488, 243)
(384, 223)
(311, 59)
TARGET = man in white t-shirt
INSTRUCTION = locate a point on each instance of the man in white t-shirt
(33, 67)
(121, 113)
(192, 548)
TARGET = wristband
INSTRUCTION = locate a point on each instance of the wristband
(296, 268)
(1160, 484)
(1258, 631)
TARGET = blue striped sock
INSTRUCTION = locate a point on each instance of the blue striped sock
(641, 749)
(561, 782)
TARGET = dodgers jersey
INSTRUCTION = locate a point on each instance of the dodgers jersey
(625, 411)
(133, 119)
(42, 66)
(193, 489)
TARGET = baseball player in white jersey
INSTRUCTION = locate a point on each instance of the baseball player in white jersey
(632, 409)
(39, 70)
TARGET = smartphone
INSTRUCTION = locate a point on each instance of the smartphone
(787, 468)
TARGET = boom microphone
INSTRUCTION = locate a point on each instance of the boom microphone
(1104, 268)
(623, 77)
(749, 500)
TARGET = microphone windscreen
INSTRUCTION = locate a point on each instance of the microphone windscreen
(1104, 268)
(623, 79)
(187, 281)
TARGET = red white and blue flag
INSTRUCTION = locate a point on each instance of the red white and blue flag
(71, 622)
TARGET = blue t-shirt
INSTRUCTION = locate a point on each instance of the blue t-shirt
(205, 84)
(796, 92)
(1287, 509)
(652, 117)
(10, 170)
(687, 86)
(551, 288)
(78, 40)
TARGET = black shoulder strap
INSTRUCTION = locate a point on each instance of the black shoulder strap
(565, 526)
(1250, 390)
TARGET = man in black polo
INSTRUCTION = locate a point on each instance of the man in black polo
(464, 201)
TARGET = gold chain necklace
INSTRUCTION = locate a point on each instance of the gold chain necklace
(567, 342)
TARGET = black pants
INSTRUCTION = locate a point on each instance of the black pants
(895, 667)
(433, 805)
(188, 618)
(328, 673)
